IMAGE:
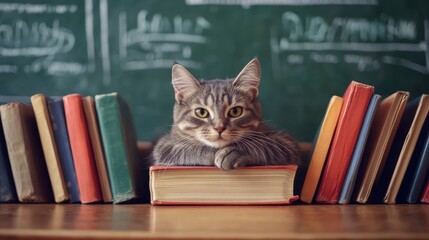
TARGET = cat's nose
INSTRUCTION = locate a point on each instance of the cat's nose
(220, 129)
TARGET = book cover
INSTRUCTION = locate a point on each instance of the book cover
(49, 148)
(7, 185)
(402, 148)
(379, 142)
(120, 146)
(352, 172)
(59, 128)
(259, 185)
(25, 153)
(418, 168)
(320, 148)
(83, 157)
(94, 134)
(355, 104)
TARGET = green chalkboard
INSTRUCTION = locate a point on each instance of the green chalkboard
(309, 51)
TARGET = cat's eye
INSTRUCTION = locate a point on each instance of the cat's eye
(235, 112)
(201, 113)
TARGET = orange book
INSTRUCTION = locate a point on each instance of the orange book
(190, 185)
(83, 157)
(355, 104)
(321, 148)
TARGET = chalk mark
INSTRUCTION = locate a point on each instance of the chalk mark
(105, 55)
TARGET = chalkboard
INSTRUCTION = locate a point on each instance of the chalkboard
(309, 51)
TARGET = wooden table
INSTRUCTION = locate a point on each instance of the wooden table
(105, 221)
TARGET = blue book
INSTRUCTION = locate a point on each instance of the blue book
(352, 171)
(56, 112)
(7, 184)
(418, 168)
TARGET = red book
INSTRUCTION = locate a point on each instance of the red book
(356, 100)
(83, 157)
(425, 194)
(189, 185)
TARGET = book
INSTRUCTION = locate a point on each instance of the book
(262, 185)
(320, 149)
(379, 142)
(402, 148)
(49, 148)
(83, 157)
(25, 153)
(94, 134)
(120, 146)
(7, 185)
(352, 172)
(418, 168)
(59, 128)
(425, 194)
(355, 103)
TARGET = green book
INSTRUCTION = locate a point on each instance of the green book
(120, 146)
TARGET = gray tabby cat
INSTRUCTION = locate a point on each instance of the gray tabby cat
(219, 122)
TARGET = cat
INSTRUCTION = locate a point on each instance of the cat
(219, 122)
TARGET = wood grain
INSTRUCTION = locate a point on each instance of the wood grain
(105, 221)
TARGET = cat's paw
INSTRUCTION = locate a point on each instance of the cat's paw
(228, 158)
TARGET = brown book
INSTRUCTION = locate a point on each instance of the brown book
(415, 114)
(94, 133)
(25, 153)
(379, 141)
(321, 148)
(49, 147)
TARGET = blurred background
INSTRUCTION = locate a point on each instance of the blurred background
(309, 50)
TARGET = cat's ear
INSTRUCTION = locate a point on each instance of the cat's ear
(183, 82)
(248, 79)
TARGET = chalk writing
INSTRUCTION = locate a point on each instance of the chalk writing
(346, 37)
(31, 8)
(157, 41)
(282, 2)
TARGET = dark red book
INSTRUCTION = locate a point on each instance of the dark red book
(83, 156)
(356, 100)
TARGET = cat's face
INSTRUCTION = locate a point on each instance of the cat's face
(217, 112)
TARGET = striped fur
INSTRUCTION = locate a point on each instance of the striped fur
(222, 139)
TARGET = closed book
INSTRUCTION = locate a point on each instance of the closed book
(418, 168)
(49, 147)
(262, 185)
(355, 104)
(379, 142)
(425, 195)
(320, 149)
(25, 153)
(94, 134)
(83, 157)
(120, 146)
(7, 185)
(402, 148)
(59, 128)
(352, 172)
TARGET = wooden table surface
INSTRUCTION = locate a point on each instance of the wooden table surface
(105, 221)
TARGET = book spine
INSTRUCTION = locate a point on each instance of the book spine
(94, 133)
(83, 158)
(59, 128)
(49, 148)
(356, 100)
(25, 154)
(114, 143)
(352, 172)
